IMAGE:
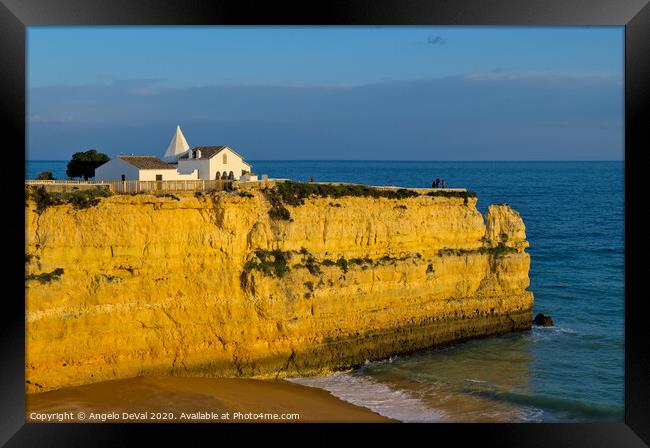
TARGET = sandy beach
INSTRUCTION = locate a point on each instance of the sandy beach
(190, 400)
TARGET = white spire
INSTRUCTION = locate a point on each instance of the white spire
(177, 147)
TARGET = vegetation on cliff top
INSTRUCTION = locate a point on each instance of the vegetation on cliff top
(79, 198)
(277, 211)
(453, 194)
(168, 195)
(295, 193)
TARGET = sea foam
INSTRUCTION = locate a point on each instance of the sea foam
(380, 398)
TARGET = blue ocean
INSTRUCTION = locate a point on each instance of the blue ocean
(572, 372)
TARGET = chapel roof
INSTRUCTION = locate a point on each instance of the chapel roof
(147, 163)
(207, 152)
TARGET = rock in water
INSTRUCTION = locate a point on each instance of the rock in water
(543, 320)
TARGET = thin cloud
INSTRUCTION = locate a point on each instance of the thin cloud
(514, 118)
(436, 40)
(53, 120)
(504, 74)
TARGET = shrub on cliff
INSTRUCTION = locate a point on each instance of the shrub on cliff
(43, 199)
(309, 262)
(501, 249)
(168, 195)
(277, 211)
(85, 198)
(453, 194)
(45, 175)
(46, 277)
(343, 264)
(273, 263)
(79, 199)
(498, 251)
(29, 257)
(295, 193)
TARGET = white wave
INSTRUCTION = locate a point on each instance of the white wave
(375, 396)
(553, 330)
(388, 360)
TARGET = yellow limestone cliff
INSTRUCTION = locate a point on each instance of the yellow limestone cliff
(213, 286)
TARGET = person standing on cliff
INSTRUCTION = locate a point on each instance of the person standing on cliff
(443, 183)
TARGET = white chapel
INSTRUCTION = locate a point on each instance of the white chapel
(179, 162)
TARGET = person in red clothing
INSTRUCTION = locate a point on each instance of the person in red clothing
(443, 183)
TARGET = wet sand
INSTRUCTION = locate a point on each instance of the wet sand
(190, 400)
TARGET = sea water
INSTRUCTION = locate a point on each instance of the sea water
(572, 372)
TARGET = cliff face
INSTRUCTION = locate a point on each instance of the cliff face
(214, 286)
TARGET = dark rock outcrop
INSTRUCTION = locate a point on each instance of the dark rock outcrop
(543, 320)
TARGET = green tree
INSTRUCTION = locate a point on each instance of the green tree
(83, 164)
(45, 175)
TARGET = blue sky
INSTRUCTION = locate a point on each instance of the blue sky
(380, 93)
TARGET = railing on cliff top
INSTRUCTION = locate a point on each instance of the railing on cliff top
(180, 186)
(137, 186)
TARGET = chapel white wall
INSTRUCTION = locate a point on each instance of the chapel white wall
(113, 170)
(168, 175)
(233, 163)
(189, 165)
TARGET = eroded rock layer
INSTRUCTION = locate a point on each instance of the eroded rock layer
(212, 286)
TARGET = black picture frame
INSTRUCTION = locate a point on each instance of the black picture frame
(16, 15)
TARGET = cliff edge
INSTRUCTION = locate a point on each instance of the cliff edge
(254, 284)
